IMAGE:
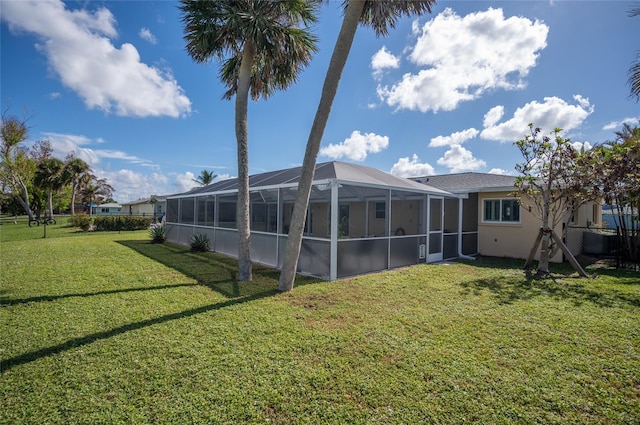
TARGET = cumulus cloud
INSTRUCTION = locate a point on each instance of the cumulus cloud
(464, 57)
(499, 171)
(146, 34)
(494, 115)
(79, 49)
(459, 159)
(406, 167)
(356, 147)
(552, 113)
(456, 138)
(382, 60)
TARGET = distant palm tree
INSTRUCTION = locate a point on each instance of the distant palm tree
(380, 15)
(74, 169)
(96, 190)
(50, 178)
(261, 48)
(205, 178)
(634, 71)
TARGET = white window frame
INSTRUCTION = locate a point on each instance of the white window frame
(501, 221)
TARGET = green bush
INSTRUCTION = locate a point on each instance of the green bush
(82, 221)
(200, 242)
(158, 234)
(118, 223)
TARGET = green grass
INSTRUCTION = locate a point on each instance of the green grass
(108, 328)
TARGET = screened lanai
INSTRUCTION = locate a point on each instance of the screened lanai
(360, 220)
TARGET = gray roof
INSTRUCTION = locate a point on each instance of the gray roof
(340, 171)
(469, 182)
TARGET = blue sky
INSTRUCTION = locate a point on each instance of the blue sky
(445, 92)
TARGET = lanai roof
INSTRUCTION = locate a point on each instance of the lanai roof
(358, 175)
(469, 182)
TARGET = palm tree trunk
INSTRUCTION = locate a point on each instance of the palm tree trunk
(242, 138)
(73, 198)
(329, 89)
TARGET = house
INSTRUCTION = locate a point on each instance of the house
(106, 209)
(504, 229)
(141, 207)
(360, 220)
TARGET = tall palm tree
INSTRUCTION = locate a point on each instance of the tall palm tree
(380, 15)
(50, 178)
(262, 48)
(206, 177)
(74, 169)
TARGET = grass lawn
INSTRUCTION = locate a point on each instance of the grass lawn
(106, 328)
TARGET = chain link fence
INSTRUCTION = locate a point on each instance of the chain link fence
(592, 244)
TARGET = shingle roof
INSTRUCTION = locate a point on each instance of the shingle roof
(340, 171)
(469, 182)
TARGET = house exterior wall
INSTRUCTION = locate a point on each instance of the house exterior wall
(513, 240)
(138, 209)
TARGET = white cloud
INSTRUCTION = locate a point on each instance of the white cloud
(552, 113)
(464, 57)
(494, 115)
(66, 144)
(78, 47)
(406, 167)
(356, 147)
(459, 159)
(499, 171)
(146, 34)
(579, 146)
(615, 125)
(383, 60)
(456, 138)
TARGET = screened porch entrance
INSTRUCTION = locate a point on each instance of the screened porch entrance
(436, 215)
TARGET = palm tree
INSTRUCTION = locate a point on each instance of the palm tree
(634, 71)
(205, 178)
(50, 178)
(74, 169)
(261, 48)
(96, 190)
(380, 15)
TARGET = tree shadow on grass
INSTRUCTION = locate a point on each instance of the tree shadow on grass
(509, 289)
(7, 364)
(210, 269)
(216, 271)
(45, 298)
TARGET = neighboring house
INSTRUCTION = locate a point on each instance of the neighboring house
(504, 228)
(159, 205)
(611, 219)
(106, 209)
(142, 207)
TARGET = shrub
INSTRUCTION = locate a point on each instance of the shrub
(200, 242)
(82, 221)
(118, 223)
(158, 234)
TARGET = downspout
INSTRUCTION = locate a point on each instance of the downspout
(460, 254)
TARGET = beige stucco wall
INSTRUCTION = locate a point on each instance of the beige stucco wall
(513, 240)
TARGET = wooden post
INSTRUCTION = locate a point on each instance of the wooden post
(569, 255)
(533, 250)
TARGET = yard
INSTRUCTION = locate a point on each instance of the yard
(107, 328)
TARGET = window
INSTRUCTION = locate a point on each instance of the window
(501, 210)
(381, 210)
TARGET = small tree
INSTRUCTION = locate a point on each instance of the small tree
(16, 167)
(615, 167)
(551, 185)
